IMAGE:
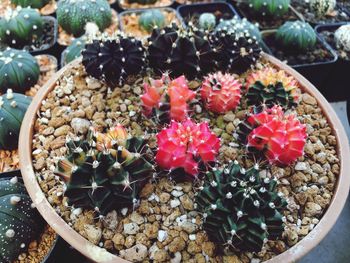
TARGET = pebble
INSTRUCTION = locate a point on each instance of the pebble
(164, 197)
(136, 218)
(80, 126)
(300, 166)
(162, 235)
(177, 193)
(229, 117)
(131, 228)
(123, 108)
(93, 233)
(175, 203)
(63, 130)
(186, 202)
(160, 255)
(118, 239)
(111, 220)
(308, 99)
(312, 209)
(135, 254)
(189, 227)
(177, 258)
(192, 237)
(178, 244)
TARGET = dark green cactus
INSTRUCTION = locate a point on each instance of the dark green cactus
(18, 70)
(74, 50)
(21, 27)
(72, 15)
(269, 8)
(240, 209)
(142, 2)
(151, 18)
(207, 21)
(30, 3)
(20, 223)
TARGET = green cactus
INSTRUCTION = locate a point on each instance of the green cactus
(269, 8)
(18, 70)
(240, 209)
(142, 2)
(296, 36)
(21, 27)
(20, 222)
(72, 15)
(74, 50)
(322, 7)
(30, 3)
(207, 21)
(151, 18)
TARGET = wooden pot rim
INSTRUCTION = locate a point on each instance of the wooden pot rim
(98, 254)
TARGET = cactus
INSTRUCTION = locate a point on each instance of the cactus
(150, 19)
(207, 21)
(269, 8)
(142, 2)
(113, 60)
(106, 171)
(221, 92)
(322, 7)
(13, 106)
(31, 3)
(184, 148)
(342, 37)
(18, 70)
(74, 50)
(296, 36)
(72, 15)
(20, 222)
(240, 210)
(21, 27)
(166, 99)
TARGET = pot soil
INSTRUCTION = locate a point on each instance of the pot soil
(123, 4)
(316, 186)
(48, 9)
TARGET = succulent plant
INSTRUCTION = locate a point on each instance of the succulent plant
(207, 21)
(278, 136)
(150, 19)
(142, 2)
(342, 37)
(113, 60)
(221, 92)
(21, 27)
(72, 15)
(30, 3)
(18, 70)
(74, 50)
(269, 8)
(240, 209)
(184, 148)
(296, 36)
(269, 86)
(165, 99)
(13, 106)
(106, 171)
(20, 222)
(322, 7)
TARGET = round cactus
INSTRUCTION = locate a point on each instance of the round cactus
(30, 3)
(21, 27)
(342, 37)
(20, 222)
(151, 18)
(296, 36)
(207, 21)
(270, 8)
(74, 50)
(322, 7)
(18, 70)
(72, 15)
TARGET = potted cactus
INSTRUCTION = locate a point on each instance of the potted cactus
(45, 7)
(142, 4)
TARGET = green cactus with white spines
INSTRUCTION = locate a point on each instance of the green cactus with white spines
(269, 8)
(30, 3)
(21, 27)
(73, 15)
(74, 50)
(20, 223)
(322, 7)
(19, 70)
(207, 21)
(151, 18)
(240, 209)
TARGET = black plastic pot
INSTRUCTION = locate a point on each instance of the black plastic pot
(123, 8)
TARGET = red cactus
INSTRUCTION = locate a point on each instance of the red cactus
(181, 145)
(281, 137)
(221, 92)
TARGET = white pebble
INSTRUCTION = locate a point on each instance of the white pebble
(192, 237)
(162, 235)
(177, 193)
(175, 203)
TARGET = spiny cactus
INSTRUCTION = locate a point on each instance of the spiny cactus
(296, 36)
(21, 27)
(269, 86)
(165, 99)
(113, 60)
(106, 171)
(269, 8)
(74, 50)
(18, 70)
(342, 37)
(72, 15)
(13, 106)
(322, 7)
(207, 21)
(240, 209)
(221, 92)
(185, 147)
(20, 222)
(30, 3)
(142, 2)
(153, 18)
(278, 136)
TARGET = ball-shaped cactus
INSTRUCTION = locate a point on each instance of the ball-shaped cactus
(207, 21)
(21, 27)
(153, 18)
(74, 50)
(72, 15)
(296, 36)
(30, 3)
(269, 8)
(342, 37)
(18, 70)
(322, 7)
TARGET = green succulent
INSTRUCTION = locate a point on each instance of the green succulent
(322, 7)
(269, 8)
(74, 50)
(30, 3)
(207, 21)
(151, 18)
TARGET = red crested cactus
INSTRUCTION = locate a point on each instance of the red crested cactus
(281, 137)
(185, 145)
(167, 99)
(221, 92)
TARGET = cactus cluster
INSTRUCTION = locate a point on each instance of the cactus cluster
(105, 171)
(269, 8)
(153, 18)
(20, 27)
(30, 3)
(207, 21)
(240, 209)
(20, 222)
(18, 70)
(322, 7)
(342, 37)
